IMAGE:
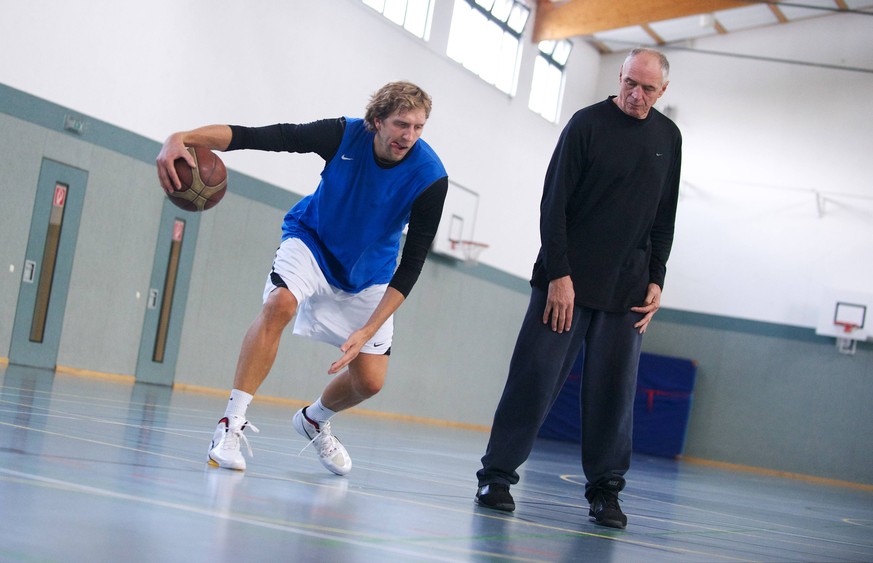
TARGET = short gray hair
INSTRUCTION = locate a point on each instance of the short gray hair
(662, 59)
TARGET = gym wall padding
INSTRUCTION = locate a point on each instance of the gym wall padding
(662, 405)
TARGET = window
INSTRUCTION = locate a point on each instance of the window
(486, 38)
(548, 78)
(413, 15)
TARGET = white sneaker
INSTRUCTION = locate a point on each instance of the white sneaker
(332, 454)
(224, 451)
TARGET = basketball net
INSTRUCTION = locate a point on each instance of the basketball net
(470, 249)
(846, 344)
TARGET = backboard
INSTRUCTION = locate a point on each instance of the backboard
(458, 222)
(845, 314)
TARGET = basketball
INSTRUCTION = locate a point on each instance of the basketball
(203, 186)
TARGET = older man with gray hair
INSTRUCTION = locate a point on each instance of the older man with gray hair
(606, 227)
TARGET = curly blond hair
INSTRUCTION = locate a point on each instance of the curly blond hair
(401, 95)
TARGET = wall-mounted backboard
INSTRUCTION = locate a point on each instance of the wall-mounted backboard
(845, 314)
(458, 222)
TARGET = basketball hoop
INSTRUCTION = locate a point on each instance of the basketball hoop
(470, 250)
(846, 344)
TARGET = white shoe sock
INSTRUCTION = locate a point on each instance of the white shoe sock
(317, 412)
(238, 404)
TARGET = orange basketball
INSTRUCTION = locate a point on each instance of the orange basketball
(203, 186)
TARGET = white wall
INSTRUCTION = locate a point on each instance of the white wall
(760, 139)
(161, 66)
(759, 136)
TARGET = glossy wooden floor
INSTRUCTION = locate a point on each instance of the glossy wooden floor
(95, 469)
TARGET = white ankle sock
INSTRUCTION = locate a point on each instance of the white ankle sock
(238, 403)
(317, 412)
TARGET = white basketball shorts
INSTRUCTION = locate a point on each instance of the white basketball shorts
(325, 313)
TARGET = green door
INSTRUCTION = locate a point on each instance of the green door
(48, 264)
(168, 292)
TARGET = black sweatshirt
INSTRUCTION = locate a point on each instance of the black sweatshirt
(609, 206)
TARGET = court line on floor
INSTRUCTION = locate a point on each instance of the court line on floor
(253, 474)
(760, 526)
(205, 390)
(380, 495)
(563, 530)
(296, 528)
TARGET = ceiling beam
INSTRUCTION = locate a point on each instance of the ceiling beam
(653, 34)
(572, 18)
(778, 13)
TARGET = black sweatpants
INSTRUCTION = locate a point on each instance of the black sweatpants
(539, 367)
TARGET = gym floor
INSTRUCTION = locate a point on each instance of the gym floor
(102, 469)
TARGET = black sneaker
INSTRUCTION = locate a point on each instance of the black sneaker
(496, 496)
(605, 510)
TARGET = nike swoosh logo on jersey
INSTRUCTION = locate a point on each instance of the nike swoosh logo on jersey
(344, 157)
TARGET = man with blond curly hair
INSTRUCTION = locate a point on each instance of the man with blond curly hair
(335, 273)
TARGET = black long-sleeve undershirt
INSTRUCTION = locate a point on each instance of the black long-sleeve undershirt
(323, 138)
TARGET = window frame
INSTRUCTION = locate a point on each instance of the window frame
(428, 18)
(496, 71)
(548, 58)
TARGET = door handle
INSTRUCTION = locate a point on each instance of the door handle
(29, 273)
(152, 302)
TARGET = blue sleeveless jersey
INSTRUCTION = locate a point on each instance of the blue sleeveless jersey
(353, 221)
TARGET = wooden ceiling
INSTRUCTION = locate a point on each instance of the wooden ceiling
(587, 18)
